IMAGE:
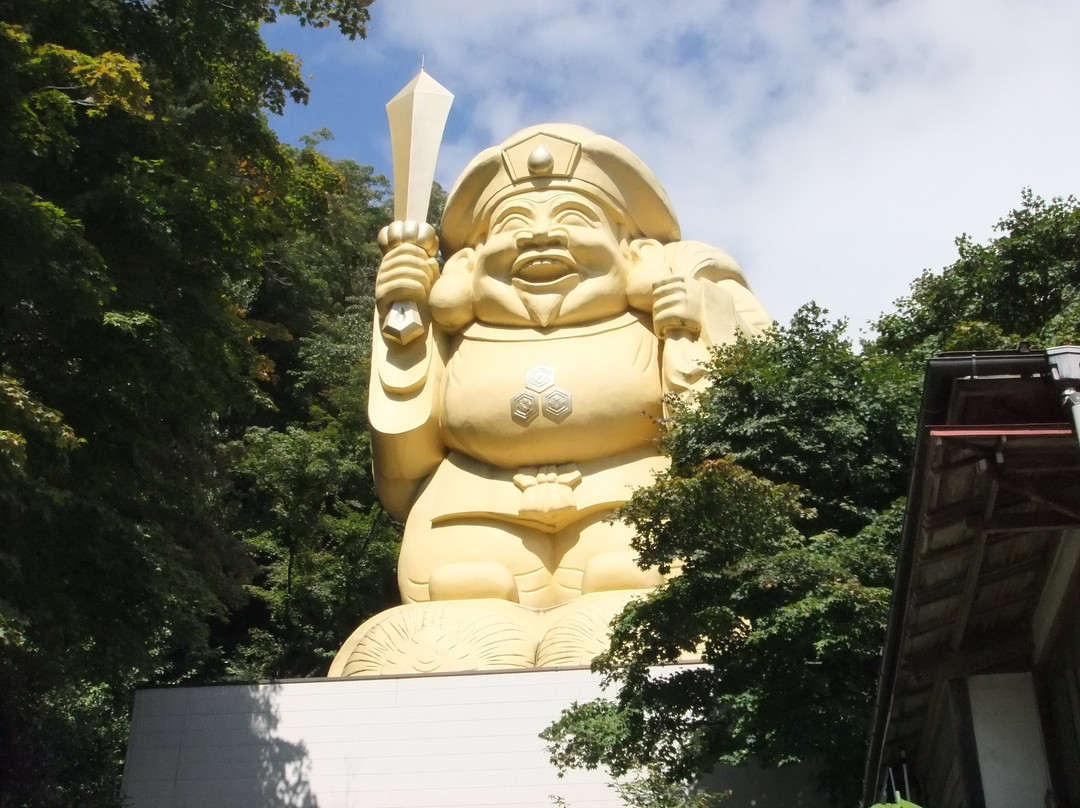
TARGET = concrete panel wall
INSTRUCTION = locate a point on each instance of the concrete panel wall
(405, 742)
(409, 742)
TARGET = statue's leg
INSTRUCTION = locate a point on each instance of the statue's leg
(472, 558)
(595, 556)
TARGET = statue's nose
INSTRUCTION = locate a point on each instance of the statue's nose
(540, 237)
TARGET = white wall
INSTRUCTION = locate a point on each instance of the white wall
(1008, 738)
(383, 742)
(437, 741)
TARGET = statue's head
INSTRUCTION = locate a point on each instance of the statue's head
(547, 229)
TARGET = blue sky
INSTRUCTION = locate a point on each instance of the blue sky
(835, 147)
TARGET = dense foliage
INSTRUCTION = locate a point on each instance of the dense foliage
(801, 406)
(141, 196)
(783, 507)
(786, 604)
(304, 499)
(1024, 285)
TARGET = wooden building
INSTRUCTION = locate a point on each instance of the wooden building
(979, 693)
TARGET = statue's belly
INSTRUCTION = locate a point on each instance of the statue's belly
(515, 398)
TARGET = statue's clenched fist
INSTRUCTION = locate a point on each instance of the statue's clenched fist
(677, 306)
(405, 274)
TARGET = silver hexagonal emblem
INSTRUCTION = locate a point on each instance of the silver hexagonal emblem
(524, 407)
(557, 404)
(403, 323)
(539, 378)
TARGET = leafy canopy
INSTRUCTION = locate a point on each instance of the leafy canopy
(305, 500)
(146, 191)
(1022, 286)
(782, 511)
(785, 604)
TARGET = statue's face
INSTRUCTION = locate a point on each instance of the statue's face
(550, 258)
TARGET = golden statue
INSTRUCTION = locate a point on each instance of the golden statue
(516, 399)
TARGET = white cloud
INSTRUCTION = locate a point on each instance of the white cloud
(835, 147)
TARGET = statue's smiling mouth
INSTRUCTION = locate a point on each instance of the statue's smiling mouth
(541, 270)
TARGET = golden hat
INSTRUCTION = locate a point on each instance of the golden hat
(557, 156)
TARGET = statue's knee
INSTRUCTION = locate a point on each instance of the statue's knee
(615, 570)
(465, 580)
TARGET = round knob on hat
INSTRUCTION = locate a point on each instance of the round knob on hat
(541, 162)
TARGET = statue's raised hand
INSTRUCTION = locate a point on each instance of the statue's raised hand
(678, 308)
(405, 276)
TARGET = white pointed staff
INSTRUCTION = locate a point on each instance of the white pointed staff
(417, 118)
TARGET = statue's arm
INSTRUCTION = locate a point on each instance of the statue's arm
(403, 394)
(707, 292)
(699, 300)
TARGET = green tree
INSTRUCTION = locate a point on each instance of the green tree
(1024, 285)
(783, 506)
(786, 604)
(306, 503)
(144, 185)
(801, 406)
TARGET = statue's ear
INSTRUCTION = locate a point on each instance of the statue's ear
(451, 295)
(648, 265)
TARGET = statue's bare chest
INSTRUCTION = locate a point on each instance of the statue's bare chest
(518, 397)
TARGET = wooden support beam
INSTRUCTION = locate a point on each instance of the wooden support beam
(1036, 496)
(955, 551)
(935, 665)
(950, 514)
(1022, 522)
(947, 620)
(971, 584)
(951, 589)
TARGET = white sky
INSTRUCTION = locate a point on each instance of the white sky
(836, 148)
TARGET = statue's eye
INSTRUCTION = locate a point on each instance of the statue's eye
(576, 218)
(512, 220)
